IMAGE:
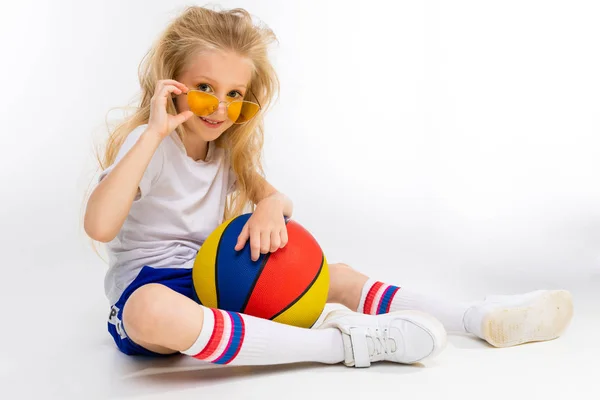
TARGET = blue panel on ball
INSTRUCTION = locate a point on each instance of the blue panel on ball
(236, 273)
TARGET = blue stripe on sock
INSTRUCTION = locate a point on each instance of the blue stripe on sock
(237, 338)
(385, 299)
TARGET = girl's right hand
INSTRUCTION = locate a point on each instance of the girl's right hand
(160, 121)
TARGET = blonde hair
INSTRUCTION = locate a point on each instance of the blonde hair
(199, 29)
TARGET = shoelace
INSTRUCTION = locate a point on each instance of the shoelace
(382, 343)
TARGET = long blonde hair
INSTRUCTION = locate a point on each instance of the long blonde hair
(199, 29)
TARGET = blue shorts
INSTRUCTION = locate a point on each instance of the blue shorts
(177, 279)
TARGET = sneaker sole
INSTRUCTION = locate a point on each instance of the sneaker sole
(546, 318)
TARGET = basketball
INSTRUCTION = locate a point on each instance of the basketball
(289, 286)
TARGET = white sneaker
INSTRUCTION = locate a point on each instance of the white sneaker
(403, 336)
(505, 321)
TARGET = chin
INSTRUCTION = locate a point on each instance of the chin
(211, 136)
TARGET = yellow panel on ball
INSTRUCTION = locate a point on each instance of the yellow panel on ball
(203, 273)
(305, 312)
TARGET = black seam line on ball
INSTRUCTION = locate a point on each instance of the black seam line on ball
(260, 270)
(262, 266)
(304, 292)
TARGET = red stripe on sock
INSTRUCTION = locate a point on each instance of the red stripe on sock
(215, 338)
(370, 297)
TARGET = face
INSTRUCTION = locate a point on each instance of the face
(223, 74)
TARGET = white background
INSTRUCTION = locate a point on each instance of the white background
(450, 146)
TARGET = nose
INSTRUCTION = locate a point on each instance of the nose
(221, 111)
(222, 107)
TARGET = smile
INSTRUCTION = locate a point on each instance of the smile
(210, 122)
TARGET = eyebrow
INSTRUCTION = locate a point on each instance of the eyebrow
(200, 77)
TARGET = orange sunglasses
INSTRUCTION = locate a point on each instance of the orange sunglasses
(204, 104)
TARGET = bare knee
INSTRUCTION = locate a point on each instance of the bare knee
(345, 284)
(161, 319)
(144, 311)
(339, 266)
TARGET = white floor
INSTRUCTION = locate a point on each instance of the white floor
(481, 178)
(55, 345)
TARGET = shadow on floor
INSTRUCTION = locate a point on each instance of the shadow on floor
(468, 342)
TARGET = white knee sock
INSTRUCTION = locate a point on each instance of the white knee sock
(380, 298)
(239, 339)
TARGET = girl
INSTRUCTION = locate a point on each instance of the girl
(190, 157)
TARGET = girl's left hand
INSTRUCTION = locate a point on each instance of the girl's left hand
(265, 228)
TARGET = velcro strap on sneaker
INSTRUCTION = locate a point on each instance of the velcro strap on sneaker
(360, 349)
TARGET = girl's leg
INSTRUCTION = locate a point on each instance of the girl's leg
(500, 320)
(164, 321)
(359, 293)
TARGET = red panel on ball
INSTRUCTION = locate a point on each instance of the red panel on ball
(287, 274)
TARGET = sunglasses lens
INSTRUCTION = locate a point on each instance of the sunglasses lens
(242, 111)
(201, 103)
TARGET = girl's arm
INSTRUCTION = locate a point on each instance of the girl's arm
(111, 200)
(274, 198)
(266, 228)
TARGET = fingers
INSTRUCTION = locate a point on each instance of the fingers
(284, 237)
(172, 82)
(165, 87)
(275, 241)
(262, 241)
(265, 242)
(160, 119)
(243, 238)
(165, 92)
(255, 244)
(182, 117)
(159, 100)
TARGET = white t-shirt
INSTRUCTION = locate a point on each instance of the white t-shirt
(180, 202)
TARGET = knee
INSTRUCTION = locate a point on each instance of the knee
(339, 267)
(339, 272)
(345, 285)
(338, 281)
(143, 312)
